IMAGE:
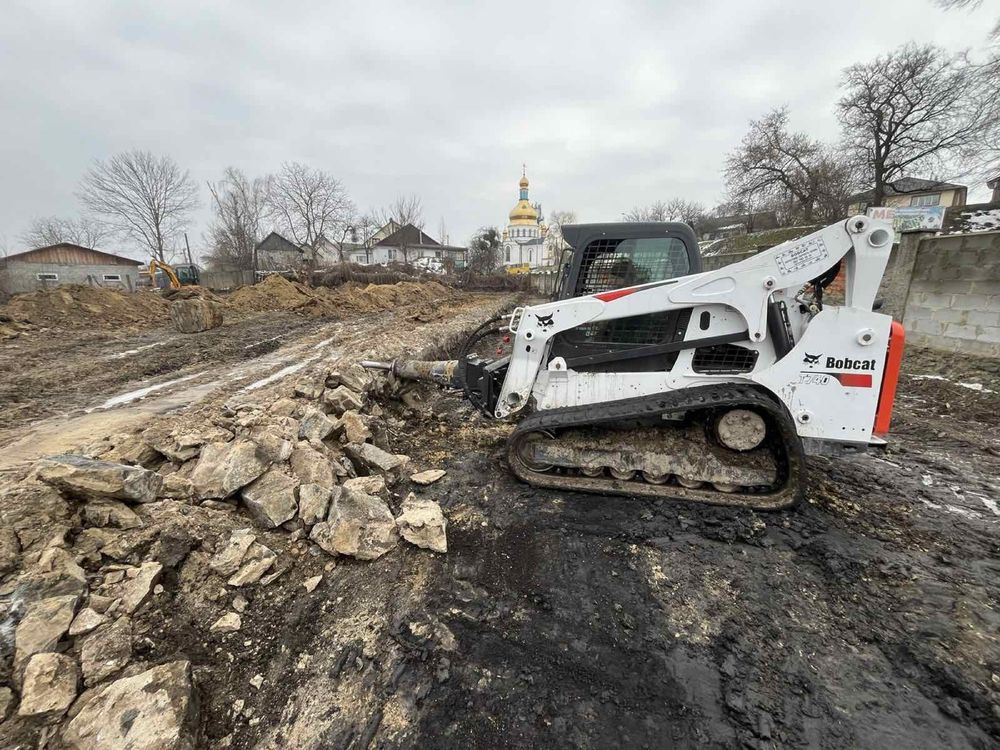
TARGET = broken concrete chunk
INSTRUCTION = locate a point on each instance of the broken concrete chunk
(100, 479)
(374, 458)
(55, 574)
(427, 477)
(184, 443)
(315, 426)
(228, 559)
(353, 427)
(106, 651)
(373, 485)
(310, 584)
(271, 444)
(341, 399)
(271, 499)
(133, 449)
(228, 623)
(284, 407)
(274, 575)
(311, 467)
(423, 523)
(43, 624)
(49, 686)
(103, 513)
(85, 621)
(195, 315)
(177, 487)
(138, 587)
(256, 563)
(153, 710)
(6, 703)
(314, 502)
(10, 550)
(358, 525)
(312, 389)
(226, 467)
(349, 377)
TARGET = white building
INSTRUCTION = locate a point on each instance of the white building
(524, 238)
(407, 244)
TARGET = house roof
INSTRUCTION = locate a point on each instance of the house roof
(909, 186)
(407, 235)
(275, 243)
(117, 259)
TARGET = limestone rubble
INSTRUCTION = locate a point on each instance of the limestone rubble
(93, 541)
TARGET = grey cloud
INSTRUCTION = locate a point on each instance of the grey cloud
(610, 104)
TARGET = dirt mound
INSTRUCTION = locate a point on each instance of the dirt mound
(77, 306)
(191, 292)
(273, 293)
(376, 297)
(278, 293)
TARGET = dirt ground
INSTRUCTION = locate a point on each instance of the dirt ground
(866, 617)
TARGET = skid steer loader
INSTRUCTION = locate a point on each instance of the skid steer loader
(651, 377)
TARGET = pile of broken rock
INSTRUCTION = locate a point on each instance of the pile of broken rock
(308, 463)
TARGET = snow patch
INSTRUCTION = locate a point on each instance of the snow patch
(125, 398)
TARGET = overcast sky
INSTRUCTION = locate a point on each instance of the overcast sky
(610, 104)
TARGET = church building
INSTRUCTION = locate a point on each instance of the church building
(524, 238)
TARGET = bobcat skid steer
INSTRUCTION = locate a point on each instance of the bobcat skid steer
(649, 377)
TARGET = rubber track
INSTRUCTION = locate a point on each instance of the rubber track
(791, 466)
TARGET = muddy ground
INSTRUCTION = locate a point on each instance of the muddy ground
(866, 617)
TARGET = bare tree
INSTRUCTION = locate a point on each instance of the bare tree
(484, 251)
(309, 204)
(239, 207)
(442, 231)
(141, 196)
(51, 230)
(675, 209)
(968, 5)
(914, 109)
(404, 209)
(986, 154)
(554, 237)
(791, 169)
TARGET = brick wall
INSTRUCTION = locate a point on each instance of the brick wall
(953, 301)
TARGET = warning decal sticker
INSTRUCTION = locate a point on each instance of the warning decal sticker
(801, 255)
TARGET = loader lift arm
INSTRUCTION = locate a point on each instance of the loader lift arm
(746, 287)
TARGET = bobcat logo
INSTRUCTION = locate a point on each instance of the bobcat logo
(811, 359)
(544, 321)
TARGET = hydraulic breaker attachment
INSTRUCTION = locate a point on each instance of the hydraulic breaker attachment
(444, 372)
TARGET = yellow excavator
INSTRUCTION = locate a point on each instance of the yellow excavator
(183, 275)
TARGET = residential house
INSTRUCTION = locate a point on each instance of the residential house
(276, 254)
(406, 245)
(66, 263)
(911, 192)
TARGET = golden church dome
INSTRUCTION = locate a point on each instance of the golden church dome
(524, 213)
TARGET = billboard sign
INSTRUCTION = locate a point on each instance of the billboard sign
(910, 218)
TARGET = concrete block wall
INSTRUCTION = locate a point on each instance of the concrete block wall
(953, 300)
(18, 277)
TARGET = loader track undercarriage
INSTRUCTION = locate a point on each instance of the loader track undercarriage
(671, 445)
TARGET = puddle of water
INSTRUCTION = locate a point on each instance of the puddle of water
(977, 387)
(124, 398)
(278, 375)
(324, 342)
(130, 352)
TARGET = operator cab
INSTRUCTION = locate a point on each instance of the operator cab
(614, 256)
